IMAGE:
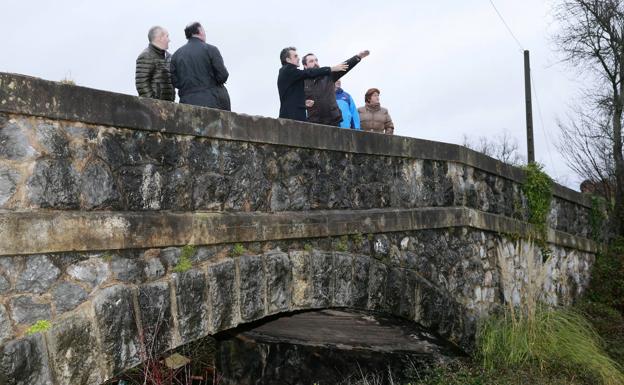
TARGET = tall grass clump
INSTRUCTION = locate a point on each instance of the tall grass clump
(529, 333)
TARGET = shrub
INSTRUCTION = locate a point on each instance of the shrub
(607, 280)
(538, 191)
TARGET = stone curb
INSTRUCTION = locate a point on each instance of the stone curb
(57, 231)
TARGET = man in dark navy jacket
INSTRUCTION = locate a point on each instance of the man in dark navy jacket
(198, 71)
(290, 82)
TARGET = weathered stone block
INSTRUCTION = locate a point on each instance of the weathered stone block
(98, 187)
(67, 296)
(192, 301)
(252, 287)
(52, 139)
(377, 285)
(394, 290)
(170, 256)
(360, 282)
(209, 191)
(177, 190)
(302, 278)
(223, 296)
(408, 299)
(15, 142)
(322, 279)
(38, 275)
(25, 362)
(53, 185)
(93, 272)
(279, 281)
(153, 269)
(26, 310)
(114, 314)
(156, 317)
(5, 285)
(128, 269)
(8, 183)
(6, 329)
(73, 352)
(204, 253)
(343, 271)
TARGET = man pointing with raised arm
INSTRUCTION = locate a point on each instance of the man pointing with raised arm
(322, 91)
(290, 82)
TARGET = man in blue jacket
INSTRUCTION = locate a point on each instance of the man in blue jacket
(290, 82)
(350, 116)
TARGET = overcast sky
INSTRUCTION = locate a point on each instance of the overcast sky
(444, 68)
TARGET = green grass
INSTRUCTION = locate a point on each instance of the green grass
(550, 340)
(184, 263)
(39, 326)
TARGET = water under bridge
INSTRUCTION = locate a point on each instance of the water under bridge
(124, 219)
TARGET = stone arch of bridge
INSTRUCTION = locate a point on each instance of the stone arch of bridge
(113, 330)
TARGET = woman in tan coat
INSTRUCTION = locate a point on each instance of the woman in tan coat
(373, 117)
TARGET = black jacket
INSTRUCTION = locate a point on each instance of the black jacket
(290, 87)
(152, 78)
(198, 72)
(322, 90)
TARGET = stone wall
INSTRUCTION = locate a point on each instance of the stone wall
(66, 165)
(105, 307)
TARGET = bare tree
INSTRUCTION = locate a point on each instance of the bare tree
(502, 147)
(586, 143)
(591, 38)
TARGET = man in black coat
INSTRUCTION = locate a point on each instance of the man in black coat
(322, 91)
(153, 77)
(290, 83)
(198, 71)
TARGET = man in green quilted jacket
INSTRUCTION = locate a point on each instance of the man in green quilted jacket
(153, 77)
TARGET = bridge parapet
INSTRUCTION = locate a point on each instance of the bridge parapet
(73, 148)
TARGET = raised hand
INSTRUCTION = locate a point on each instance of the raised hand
(363, 54)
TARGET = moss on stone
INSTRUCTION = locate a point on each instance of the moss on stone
(238, 250)
(39, 326)
(184, 263)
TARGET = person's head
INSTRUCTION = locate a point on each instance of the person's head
(195, 29)
(337, 84)
(310, 61)
(289, 56)
(372, 96)
(159, 37)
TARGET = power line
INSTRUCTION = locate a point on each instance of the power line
(507, 26)
(539, 110)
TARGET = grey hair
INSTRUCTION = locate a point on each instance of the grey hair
(153, 32)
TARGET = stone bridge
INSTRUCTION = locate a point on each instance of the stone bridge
(134, 224)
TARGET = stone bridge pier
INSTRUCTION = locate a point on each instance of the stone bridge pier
(136, 226)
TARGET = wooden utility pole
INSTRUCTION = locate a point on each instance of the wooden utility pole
(529, 108)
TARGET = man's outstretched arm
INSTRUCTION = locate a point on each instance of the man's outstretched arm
(351, 62)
